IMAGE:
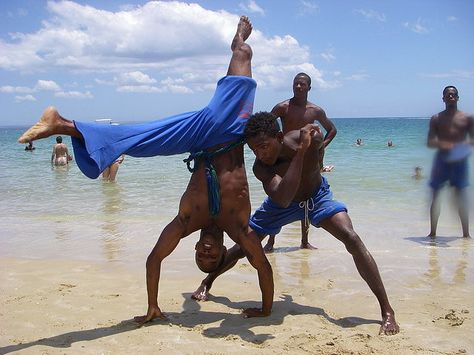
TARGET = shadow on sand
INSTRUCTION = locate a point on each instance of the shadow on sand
(192, 316)
(442, 242)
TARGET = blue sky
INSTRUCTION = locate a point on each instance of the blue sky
(137, 60)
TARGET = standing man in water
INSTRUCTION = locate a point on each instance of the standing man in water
(452, 133)
(60, 155)
(295, 113)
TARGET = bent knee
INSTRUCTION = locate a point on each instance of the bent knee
(352, 241)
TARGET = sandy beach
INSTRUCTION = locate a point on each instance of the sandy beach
(321, 306)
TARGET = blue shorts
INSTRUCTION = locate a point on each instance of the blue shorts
(270, 217)
(221, 121)
(454, 172)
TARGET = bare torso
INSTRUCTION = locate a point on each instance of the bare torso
(234, 195)
(295, 116)
(451, 126)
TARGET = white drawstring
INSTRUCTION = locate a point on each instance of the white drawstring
(306, 206)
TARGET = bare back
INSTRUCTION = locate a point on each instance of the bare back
(60, 150)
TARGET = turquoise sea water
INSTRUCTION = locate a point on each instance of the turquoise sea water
(59, 213)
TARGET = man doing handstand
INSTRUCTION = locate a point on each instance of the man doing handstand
(206, 133)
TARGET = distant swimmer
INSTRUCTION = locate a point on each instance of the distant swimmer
(390, 144)
(327, 168)
(29, 147)
(417, 175)
(359, 142)
(60, 155)
(452, 133)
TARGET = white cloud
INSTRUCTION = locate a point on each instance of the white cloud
(7, 89)
(252, 7)
(451, 18)
(74, 95)
(307, 7)
(371, 15)
(328, 56)
(25, 98)
(357, 77)
(47, 85)
(135, 77)
(417, 27)
(453, 75)
(142, 45)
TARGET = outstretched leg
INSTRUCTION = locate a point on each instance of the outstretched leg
(340, 226)
(240, 63)
(49, 124)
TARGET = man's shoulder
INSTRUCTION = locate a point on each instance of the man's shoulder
(315, 110)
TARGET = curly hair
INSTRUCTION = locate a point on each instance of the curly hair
(261, 122)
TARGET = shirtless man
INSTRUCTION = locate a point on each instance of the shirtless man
(449, 132)
(288, 167)
(207, 131)
(295, 113)
(60, 155)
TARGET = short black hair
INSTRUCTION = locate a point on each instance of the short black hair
(261, 122)
(59, 139)
(450, 87)
(308, 78)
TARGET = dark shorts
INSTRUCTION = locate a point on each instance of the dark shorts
(454, 172)
(270, 217)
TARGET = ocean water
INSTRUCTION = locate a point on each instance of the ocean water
(59, 213)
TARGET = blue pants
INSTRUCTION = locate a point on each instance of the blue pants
(221, 121)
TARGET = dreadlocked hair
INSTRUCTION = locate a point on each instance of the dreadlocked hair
(261, 123)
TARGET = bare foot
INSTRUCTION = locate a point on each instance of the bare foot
(307, 246)
(45, 127)
(431, 235)
(244, 29)
(389, 325)
(268, 248)
(201, 294)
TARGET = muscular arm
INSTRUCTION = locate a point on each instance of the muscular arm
(328, 125)
(282, 189)
(471, 129)
(252, 248)
(53, 154)
(165, 245)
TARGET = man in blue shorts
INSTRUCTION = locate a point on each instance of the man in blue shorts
(288, 167)
(449, 131)
(214, 137)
